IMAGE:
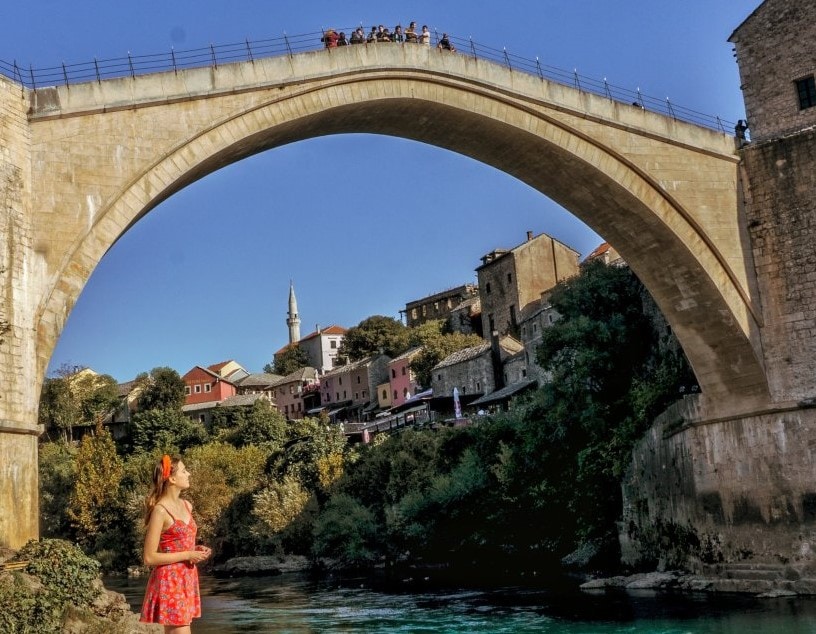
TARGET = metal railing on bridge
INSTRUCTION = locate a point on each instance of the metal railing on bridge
(248, 51)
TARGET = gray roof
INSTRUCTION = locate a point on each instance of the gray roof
(504, 393)
(298, 375)
(242, 400)
(463, 355)
(259, 379)
(343, 369)
(407, 354)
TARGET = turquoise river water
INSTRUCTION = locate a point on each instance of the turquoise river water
(299, 605)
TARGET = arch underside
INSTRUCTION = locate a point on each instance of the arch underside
(592, 182)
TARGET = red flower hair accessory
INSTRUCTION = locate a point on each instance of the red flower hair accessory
(166, 467)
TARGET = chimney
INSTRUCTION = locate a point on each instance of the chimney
(317, 328)
(529, 236)
(496, 361)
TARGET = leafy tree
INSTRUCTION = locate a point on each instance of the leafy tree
(372, 335)
(165, 429)
(347, 532)
(291, 359)
(279, 504)
(162, 388)
(74, 397)
(436, 345)
(263, 426)
(57, 476)
(94, 500)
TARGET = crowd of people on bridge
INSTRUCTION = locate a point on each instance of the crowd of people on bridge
(332, 38)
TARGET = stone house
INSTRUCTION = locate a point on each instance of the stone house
(475, 371)
(439, 305)
(535, 319)
(510, 280)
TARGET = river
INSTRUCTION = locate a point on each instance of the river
(296, 604)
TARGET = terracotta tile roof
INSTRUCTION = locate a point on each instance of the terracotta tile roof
(334, 329)
(599, 250)
(217, 367)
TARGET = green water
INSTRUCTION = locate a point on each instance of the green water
(295, 604)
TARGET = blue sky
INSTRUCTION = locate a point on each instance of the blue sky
(204, 277)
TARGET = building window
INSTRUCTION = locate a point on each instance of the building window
(535, 328)
(393, 373)
(806, 89)
(478, 386)
(395, 395)
(338, 397)
(197, 389)
(413, 313)
(385, 394)
(404, 392)
(436, 307)
(344, 394)
(512, 314)
(202, 418)
(187, 389)
(524, 373)
(339, 380)
(491, 323)
(509, 278)
(364, 393)
(333, 344)
(438, 377)
(358, 379)
(356, 396)
(487, 288)
(551, 318)
(207, 387)
(403, 370)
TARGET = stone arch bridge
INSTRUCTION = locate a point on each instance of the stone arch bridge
(80, 164)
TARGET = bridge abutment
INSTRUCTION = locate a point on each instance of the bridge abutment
(20, 291)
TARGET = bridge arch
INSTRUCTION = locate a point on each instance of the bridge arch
(662, 192)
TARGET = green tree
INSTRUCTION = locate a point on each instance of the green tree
(57, 466)
(165, 429)
(436, 345)
(94, 501)
(76, 396)
(346, 531)
(263, 426)
(372, 335)
(290, 360)
(162, 388)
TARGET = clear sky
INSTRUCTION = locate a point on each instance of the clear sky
(361, 223)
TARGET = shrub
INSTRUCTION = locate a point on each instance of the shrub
(346, 531)
(67, 576)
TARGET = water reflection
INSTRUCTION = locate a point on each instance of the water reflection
(298, 605)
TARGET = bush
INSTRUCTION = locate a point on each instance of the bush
(346, 531)
(67, 576)
(57, 476)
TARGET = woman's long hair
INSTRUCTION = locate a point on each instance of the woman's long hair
(158, 485)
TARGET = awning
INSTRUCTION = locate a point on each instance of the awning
(504, 393)
(316, 410)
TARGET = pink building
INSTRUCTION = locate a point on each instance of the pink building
(401, 379)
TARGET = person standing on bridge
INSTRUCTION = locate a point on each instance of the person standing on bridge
(172, 596)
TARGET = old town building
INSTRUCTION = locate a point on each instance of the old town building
(512, 279)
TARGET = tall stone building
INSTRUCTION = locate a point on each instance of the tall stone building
(777, 61)
(293, 319)
(440, 305)
(510, 280)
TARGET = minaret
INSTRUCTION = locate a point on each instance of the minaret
(293, 321)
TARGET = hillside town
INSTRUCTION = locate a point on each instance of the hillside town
(507, 308)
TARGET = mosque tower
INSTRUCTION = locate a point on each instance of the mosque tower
(293, 321)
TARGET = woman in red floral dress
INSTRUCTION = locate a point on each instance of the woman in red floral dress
(172, 597)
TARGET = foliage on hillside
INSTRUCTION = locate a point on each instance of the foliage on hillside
(519, 489)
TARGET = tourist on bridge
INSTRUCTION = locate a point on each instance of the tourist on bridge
(341, 39)
(372, 35)
(398, 35)
(411, 33)
(172, 596)
(445, 43)
(330, 38)
(425, 36)
(358, 37)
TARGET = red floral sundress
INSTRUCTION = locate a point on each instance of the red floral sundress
(172, 596)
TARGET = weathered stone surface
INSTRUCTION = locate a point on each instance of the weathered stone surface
(252, 566)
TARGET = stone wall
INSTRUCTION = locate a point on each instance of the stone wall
(20, 378)
(779, 181)
(774, 49)
(730, 490)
